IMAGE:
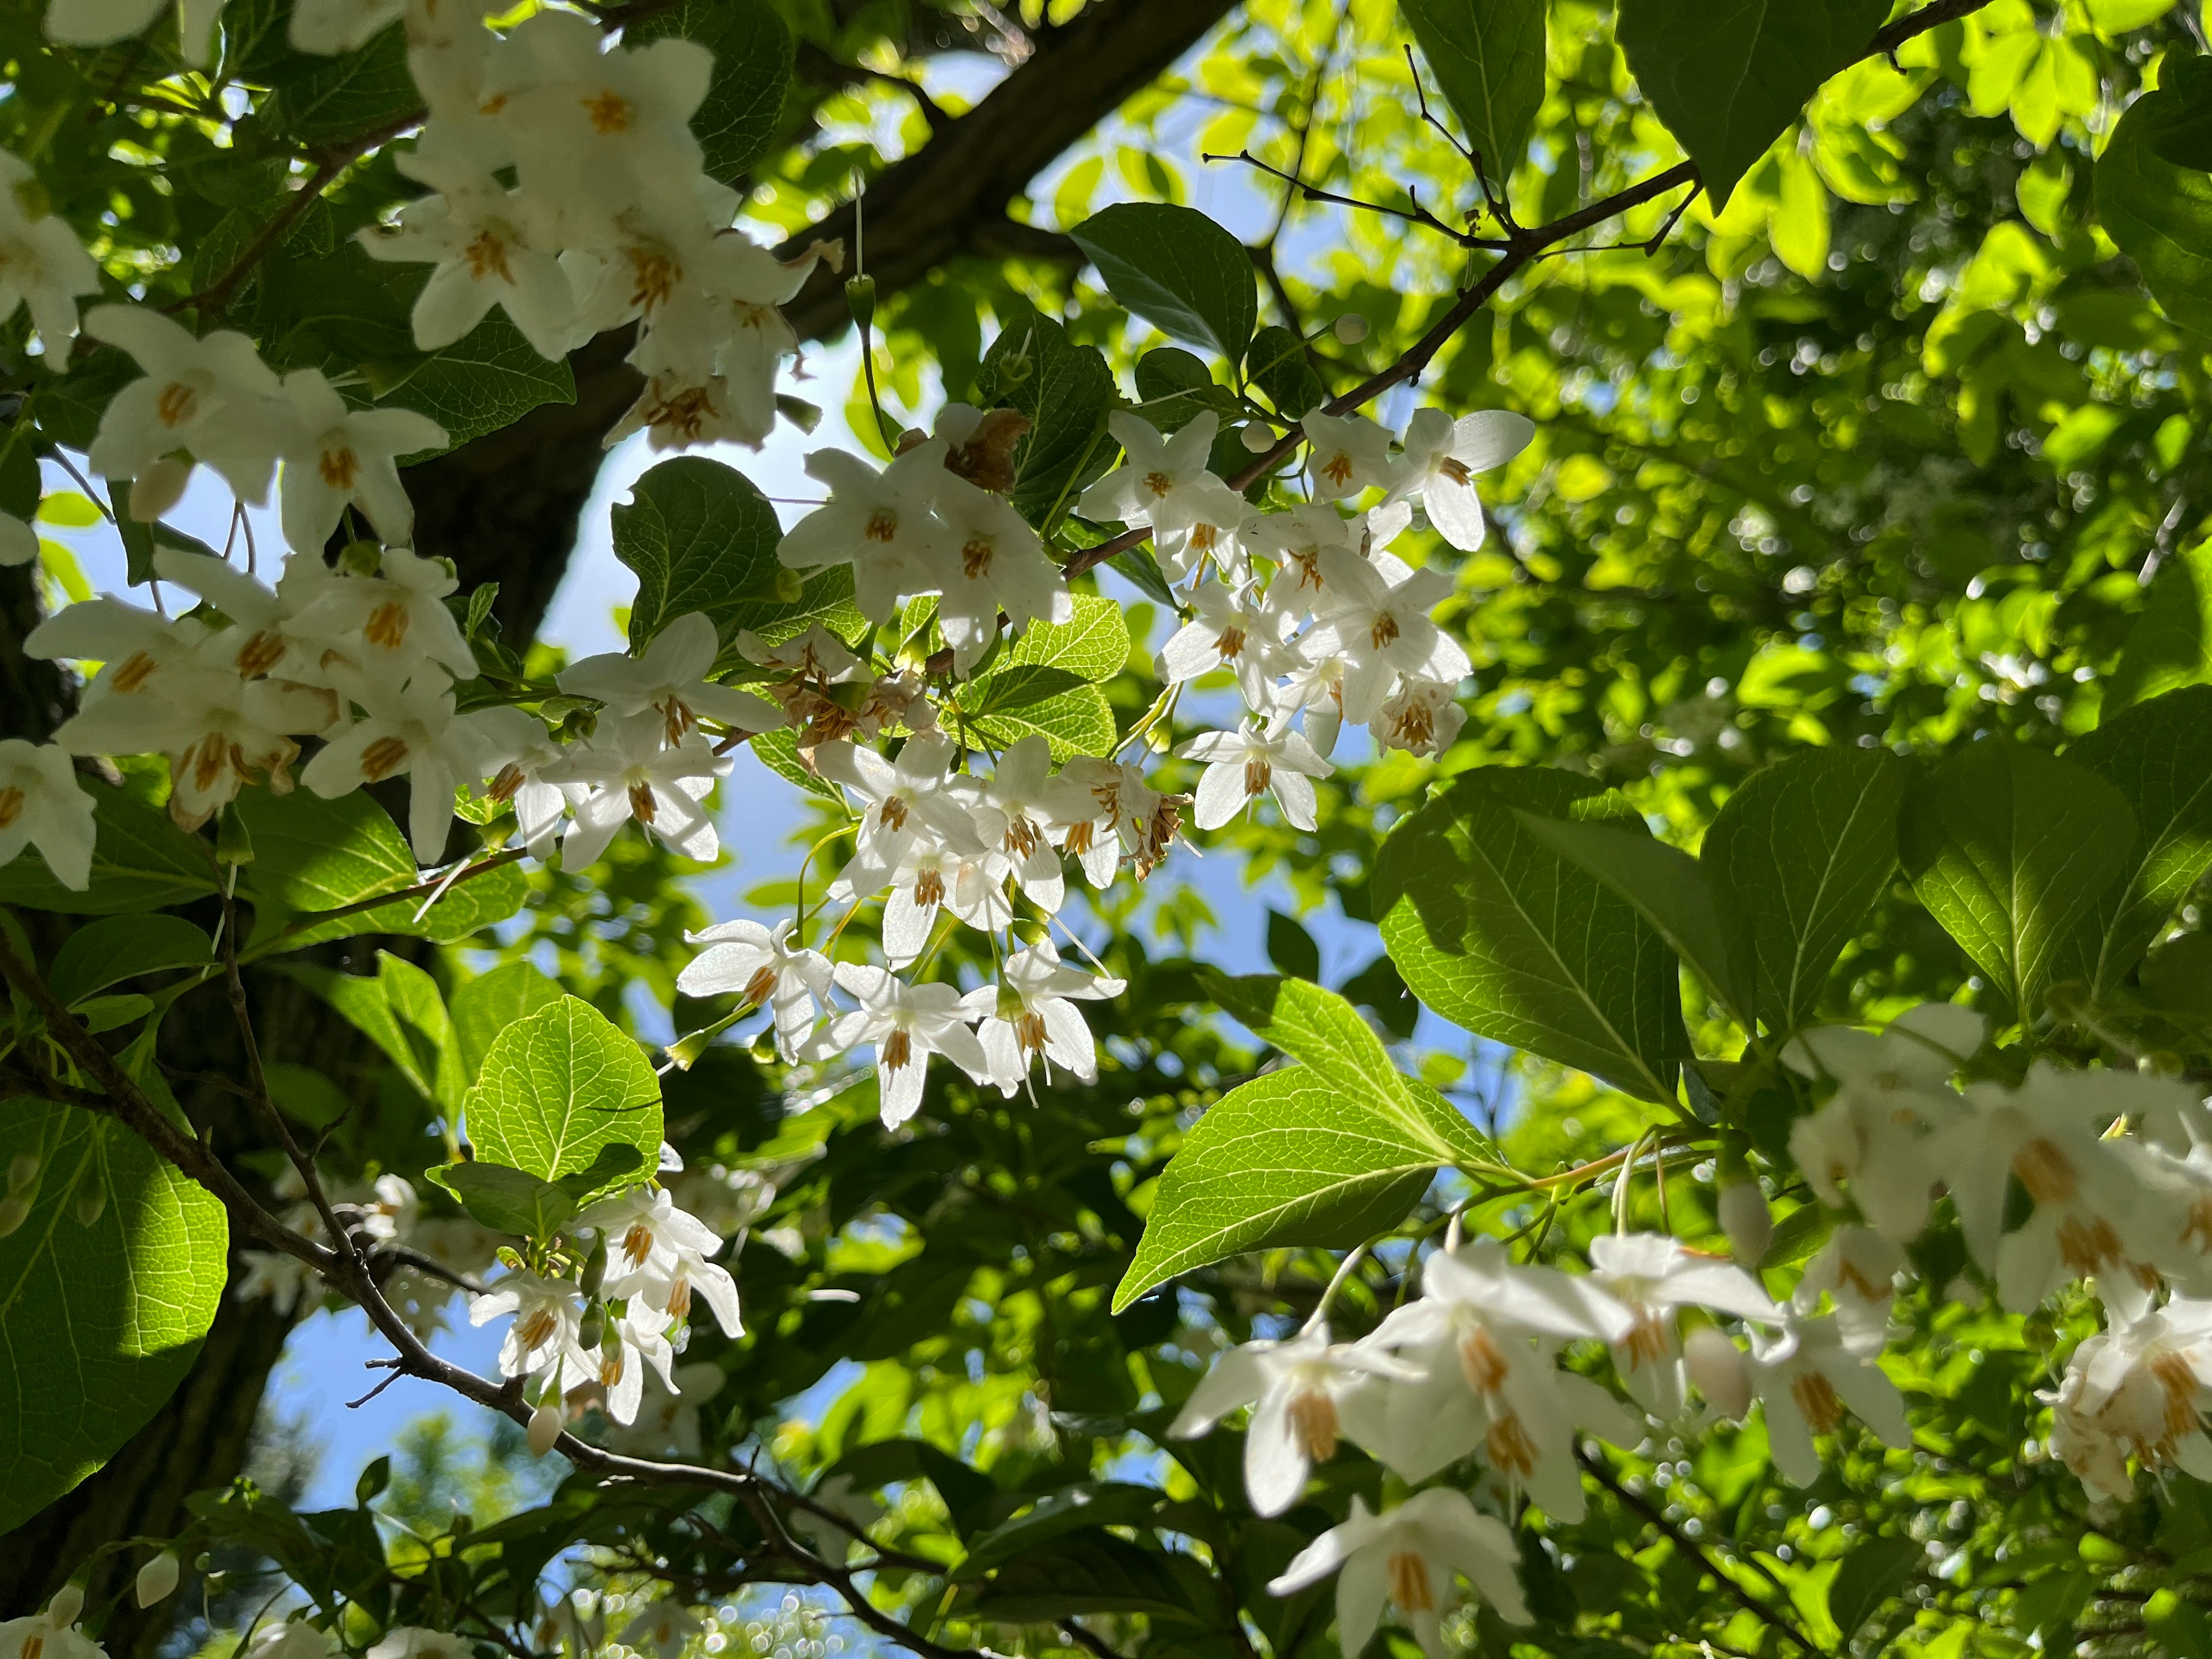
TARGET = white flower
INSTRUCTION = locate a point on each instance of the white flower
(1382, 629)
(2047, 1133)
(292, 1639)
(43, 805)
(972, 885)
(657, 1252)
(216, 729)
(744, 957)
(1104, 808)
(1242, 765)
(1019, 789)
(212, 398)
(666, 1627)
(627, 773)
(50, 1633)
(907, 1024)
(103, 22)
(412, 731)
(668, 677)
(1890, 1089)
(548, 1316)
(2140, 1389)
(990, 561)
(1315, 692)
(390, 622)
(1293, 1388)
(1857, 1270)
(415, 1641)
(1348, 453)
(1032, 1012)
(1442, 459)
(905, 804)
(1163, 483)
(1652, 1275)
(1805, 1376)
(1404, 1559)
(43, 266)
(1231, 629)
(1295, 540)
(515, 752)
(1424, 718)
(264, 637)
(327, 27)
(880, 523)
(334, 456)
(489, 246)
(816, 654)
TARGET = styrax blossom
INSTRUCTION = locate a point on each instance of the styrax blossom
(41, 805)
(1856, 1269)
(904, 803)
(394, 620)
(264, 637)
(1805, 1376)
(1652, 1276)
(880, 523)
(548, 1318)
(907, 1024)
(1423, 718)
(1382, 628)
(627, 773)
(1404, 1558)
(1019, 789)
(1891, 1089)
(1348, 453)
(515, 752)
(2139, 1390)
(1231, 629)
(1163, 483)
(1442, 457)
(415, 1642)
(1031, 1014)
(666, 1627)
(749, 960)
(102, 22)
(669, 677)
(1104, 808)
(1293, 1388)
(990, 561)
(972, 885)
(212, 399)
(410, 731)
(1253, 761)
(52, 1632)
(334, 456)
(43, 266)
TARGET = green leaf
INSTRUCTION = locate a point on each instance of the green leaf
(779, 752)
(2159, 755)
(486, 1006)
(507, 1201)
(1077, 721)
(559, 1086)
(1046, 683)
(736, 124)
(1871, 1574)
(2171, 642)
(1279, 367)
(401, 1010)
(140, 861)
(1728, 79)
(98, 1322)
(1066, 389)
(489, 378)
(1797, 857)
(1669, 889)
(2009, 848)
(1173, 386)
(1500, 933)
(2159, 215)
(1091, 1572)
(305, 1092)
(1290, 948)
(1177, 270)
(1082, 1507)
(702, 538)
(1325, 1153)
(1093, 644)
(321, 101)
(1487, 57)
(116, 948)
(2178, 129)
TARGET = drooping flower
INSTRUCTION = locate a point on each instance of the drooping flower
(746, 959)
(1652, 1275)
(1348, 454)
(1253, 761)
(1805, 1374)
(43, 265)
(880, 523)
(988, 561)
(43, 805)
(669, 677)
(1442, 457)
(1382, 628)
(212, 398)
(627, 772)
(334, 456)
(411, 730)
(1404, 1559)
(2140, 1389)
(1031, 1014)
(660, 1254)
(906, 1023)
(548, 1320)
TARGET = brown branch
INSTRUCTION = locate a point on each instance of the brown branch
(1888, 38)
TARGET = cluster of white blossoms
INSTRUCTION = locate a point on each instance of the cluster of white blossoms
(2118, 1165)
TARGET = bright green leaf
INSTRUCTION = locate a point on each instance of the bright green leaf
(1487, 57)
(1178, 271)
(486, 1006)
(557, 1088)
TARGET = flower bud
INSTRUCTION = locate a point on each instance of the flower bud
(233, 843)
(1746, 1220)
(22, 1170)
(157, 1579)
(361, 558)
(1257, 438)
(861, 295)
(595, 1266)
(545, 1425)
(591, 1329)
(68, 1602)
(159, 487)
(15, 1209)
(1718, 1367)
(88, 1203)
(1350, 329)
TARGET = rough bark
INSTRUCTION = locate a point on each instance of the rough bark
(505, 509)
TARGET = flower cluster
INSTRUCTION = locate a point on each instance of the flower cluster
(1473, 1372)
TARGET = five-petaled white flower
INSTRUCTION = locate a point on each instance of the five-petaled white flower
(42, 806)
(669, 677)
(660, 1254)
(761, 966)
(1030, 1013)
(1346, 454)
(1652, 1275)
(907, 1024)
(1805, 1374)
(1442, 457)
(880, 523)
(1253, 761)
(43, 266)
(212, 399)
(548, 1318)
(1404, 1559)
(627, 772)
(334, 456)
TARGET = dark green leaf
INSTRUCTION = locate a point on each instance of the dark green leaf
(1089, 1572)
(1066, 389)
(1173, 386)
(1728, 79)
(2009, 848)
(117, 948)
(1279, 367)
(1875, 1571)
(140, 861)
(2159, 215)
(1079, 1508)
(2171, 643)
(1487, 57)
(1177, 270)
(320, 100)
(1797, 858)
(489, 378)
(1290, 948)
(1500, 933)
